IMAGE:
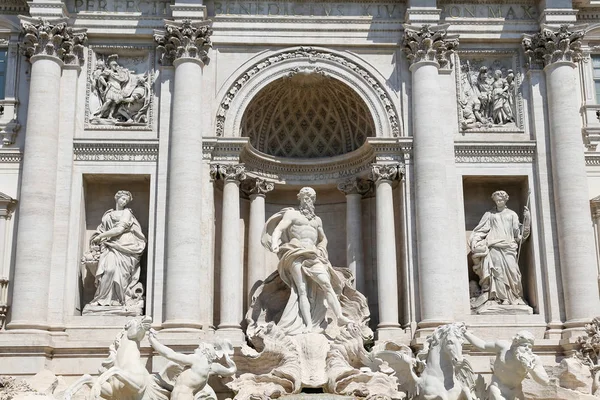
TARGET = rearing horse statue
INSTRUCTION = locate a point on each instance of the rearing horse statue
(439, 372)
(123, 375)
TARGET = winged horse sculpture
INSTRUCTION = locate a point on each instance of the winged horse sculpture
(439, 372)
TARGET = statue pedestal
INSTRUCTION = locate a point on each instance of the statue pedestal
(127, 311)
(492, 308)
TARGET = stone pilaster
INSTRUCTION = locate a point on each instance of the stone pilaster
(256, 189)
(7, 207)
(428, 48)
(387, 264)
(354, 189)
(558, 50)
(48, 44)
(185, 46)
(232, 269)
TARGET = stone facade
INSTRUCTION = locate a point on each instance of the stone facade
(404, 117)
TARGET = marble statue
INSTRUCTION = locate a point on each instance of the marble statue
(298, 239)
(514, 361)
(495, 245)
(114, 260)
(486, 100)
(193, 370)
(439, 371)
(123, 374)
(124, 97)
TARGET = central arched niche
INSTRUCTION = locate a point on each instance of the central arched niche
(307, 115)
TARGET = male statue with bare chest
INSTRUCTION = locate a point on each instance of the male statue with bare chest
(300, 243)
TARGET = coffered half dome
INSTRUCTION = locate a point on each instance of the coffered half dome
(307, 115)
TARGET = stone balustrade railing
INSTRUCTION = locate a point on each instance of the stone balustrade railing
(3, 300)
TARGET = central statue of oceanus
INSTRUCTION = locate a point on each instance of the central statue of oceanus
(298, 239)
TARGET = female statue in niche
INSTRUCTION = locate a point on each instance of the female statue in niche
(114, 260)
(495, 243)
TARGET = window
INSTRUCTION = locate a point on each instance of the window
(596, 66)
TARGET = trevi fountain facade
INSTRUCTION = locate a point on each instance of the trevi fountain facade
(251, 199)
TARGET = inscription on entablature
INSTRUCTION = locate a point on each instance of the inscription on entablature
(504, 11)
(145, 7)
(385, 10)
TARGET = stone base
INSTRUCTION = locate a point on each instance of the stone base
(316, 396)
(493, 308)
(127, 311)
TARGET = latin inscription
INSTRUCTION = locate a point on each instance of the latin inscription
(506, 11)
(304, 8)
(143, 7)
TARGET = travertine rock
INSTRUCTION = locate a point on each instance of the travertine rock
(574, 375)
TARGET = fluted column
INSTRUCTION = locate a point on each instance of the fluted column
(427, 49)
(184, 45)
(47, 44)
(354, 189)
(256, 189)
(595, 210)
(558, 50)
(232, 269)
(387, 272)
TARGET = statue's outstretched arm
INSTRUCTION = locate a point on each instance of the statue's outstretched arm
(480, 344)
(286, 222)
(221, 370)
(168, 353)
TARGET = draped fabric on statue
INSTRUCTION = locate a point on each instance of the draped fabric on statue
(279, 287)
(119, 265)
(495, 254)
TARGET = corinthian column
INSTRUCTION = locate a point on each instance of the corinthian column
(387, 274)
(256, 189)
(232, 269)
(184, 45)
(354, 189)
(558, 50)
(427, 49)
(47, 44)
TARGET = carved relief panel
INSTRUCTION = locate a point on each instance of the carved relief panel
(120, 88)
(489, 91)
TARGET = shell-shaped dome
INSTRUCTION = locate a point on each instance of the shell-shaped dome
(307, 115)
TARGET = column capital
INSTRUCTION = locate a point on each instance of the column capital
(429, 43)
(256, 187)
(228, 173)
(595, 207)
(54, 38)
(553, 45)
(7, 206)
(185, 39)
(386, 172)
(354, 185)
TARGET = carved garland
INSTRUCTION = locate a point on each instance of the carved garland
(312, 55)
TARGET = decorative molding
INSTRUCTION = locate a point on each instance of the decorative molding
(592, 159)
(115, 151)
(256, 187)
(429, 43)
(312, 55)
(552, 45)
(10, 156)
(595, 208)
(184, 39)
(510, 152)
(386, 172)
(8, 132)
(7, 206)
(53, 38)
(355, 185)
(228, 173)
